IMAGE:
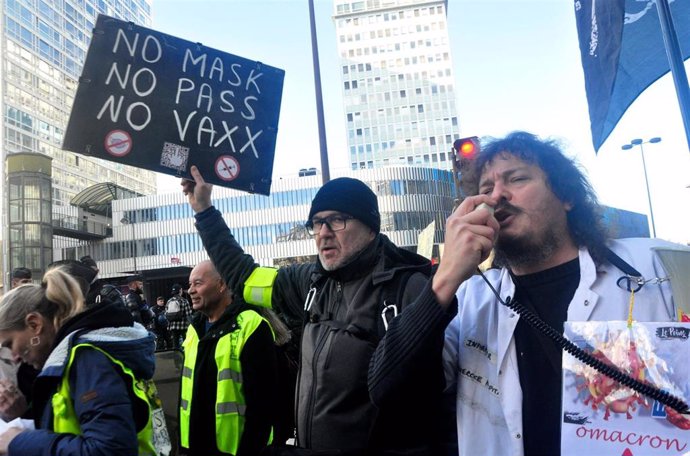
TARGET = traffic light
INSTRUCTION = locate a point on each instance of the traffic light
(465, 151)
(466, 148)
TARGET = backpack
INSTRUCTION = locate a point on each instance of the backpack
(173, 309)
(161, 321)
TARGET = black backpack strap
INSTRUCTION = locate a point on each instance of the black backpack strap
(355, 330)
(621, 264)
(393, 293)
(314, 287)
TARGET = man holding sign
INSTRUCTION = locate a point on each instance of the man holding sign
(346, 307)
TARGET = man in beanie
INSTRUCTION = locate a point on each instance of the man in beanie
(20, 276)
(344, 307)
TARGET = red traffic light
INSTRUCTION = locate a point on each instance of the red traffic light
(467, 147)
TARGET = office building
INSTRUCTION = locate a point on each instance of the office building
(43, 45)
(397, 82)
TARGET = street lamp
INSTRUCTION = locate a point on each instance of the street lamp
(639, 142)
(125, 221)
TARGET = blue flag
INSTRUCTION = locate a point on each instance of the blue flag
(622, 50)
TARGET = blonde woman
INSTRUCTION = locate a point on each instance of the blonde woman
(89, 398)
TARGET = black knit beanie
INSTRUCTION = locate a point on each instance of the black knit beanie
(349, 196)
(84, 274)
(21, 273)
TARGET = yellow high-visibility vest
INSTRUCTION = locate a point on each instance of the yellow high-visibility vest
(65, 420)
(230, 402)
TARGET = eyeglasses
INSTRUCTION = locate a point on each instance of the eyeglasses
(336, 222)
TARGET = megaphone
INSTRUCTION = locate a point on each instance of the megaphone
(676, 261)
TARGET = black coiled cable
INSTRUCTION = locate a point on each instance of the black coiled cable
(612, 372)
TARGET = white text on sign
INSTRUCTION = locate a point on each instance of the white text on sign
(204, 125)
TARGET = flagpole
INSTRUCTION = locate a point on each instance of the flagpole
(325, 169)
(675, 60)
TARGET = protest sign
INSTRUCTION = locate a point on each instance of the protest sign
(600, 416)
(425, 240)
(158, 102)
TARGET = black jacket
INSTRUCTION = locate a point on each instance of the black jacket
(258, 359)
(141, 312)
(341, 404)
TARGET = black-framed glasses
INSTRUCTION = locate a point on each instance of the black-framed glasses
(335, 222)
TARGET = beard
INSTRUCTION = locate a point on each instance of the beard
(357, 248)
(518, 251)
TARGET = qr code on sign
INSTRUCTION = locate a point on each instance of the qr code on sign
(174, 156)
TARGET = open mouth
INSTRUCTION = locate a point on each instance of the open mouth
(327, 248)
(502, 215)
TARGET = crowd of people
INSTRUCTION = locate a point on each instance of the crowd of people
(367, 351)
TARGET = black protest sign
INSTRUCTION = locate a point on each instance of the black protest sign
(158, 102)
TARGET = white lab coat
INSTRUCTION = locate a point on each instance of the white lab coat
(480, 358)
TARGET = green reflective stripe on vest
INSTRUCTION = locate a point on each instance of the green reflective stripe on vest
(230, 404)
(65, 420)
(258, 288)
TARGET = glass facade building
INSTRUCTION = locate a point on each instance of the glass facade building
(30, 242)
(43, 45)
(397, 82)
(270, 228)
